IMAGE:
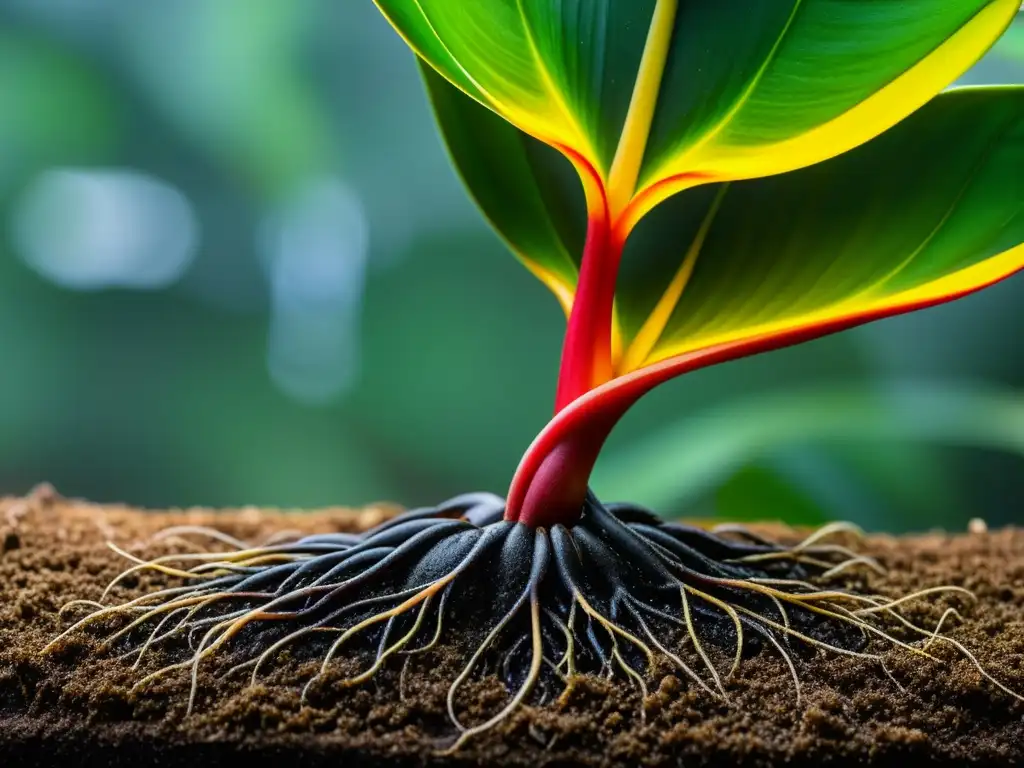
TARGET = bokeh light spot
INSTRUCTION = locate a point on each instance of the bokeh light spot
(315, 249)
(89, 229)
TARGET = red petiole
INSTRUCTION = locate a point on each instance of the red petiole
(587, 350)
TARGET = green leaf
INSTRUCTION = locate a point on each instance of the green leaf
(652, 96)
(675, 468)
(929, 211)
(527, 191)
(560, 70)
(814, 78)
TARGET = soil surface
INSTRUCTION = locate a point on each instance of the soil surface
(75, 706)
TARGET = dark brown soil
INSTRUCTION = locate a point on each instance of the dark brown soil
(74, 707)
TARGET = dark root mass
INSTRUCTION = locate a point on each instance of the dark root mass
(621, 593)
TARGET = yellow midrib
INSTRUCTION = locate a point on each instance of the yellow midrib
(629, 154)
(650, 334)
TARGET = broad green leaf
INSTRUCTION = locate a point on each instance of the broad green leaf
(929, 211)
(828, 75)
(560, 70)
(528, 193)
(675, 468)
(651, 96)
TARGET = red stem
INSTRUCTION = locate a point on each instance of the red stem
(587, 350)
(551, 483)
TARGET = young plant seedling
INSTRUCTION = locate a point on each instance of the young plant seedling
(696, 181)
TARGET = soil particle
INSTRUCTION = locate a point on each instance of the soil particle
(76, 706)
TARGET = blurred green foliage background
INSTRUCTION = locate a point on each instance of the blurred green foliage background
(236, 267)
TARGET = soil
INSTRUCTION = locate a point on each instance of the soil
(75, 706)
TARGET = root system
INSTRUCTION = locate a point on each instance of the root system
(621, 595)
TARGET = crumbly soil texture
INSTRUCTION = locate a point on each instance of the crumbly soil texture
(76, 705)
